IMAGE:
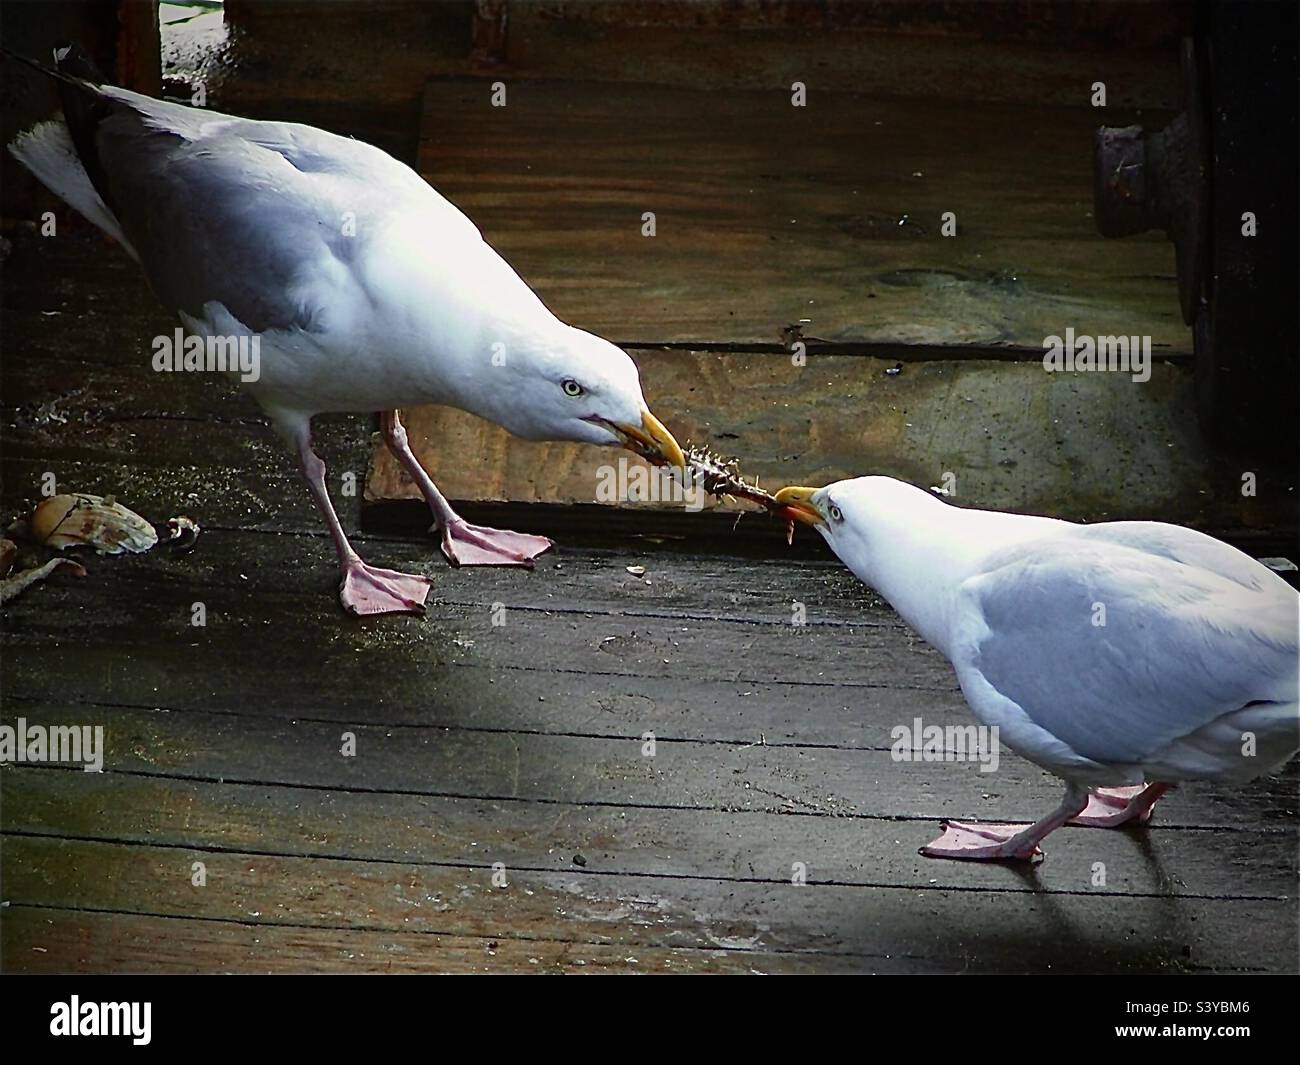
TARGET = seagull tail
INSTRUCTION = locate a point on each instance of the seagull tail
(62, 154)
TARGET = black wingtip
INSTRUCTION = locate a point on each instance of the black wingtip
(72, 61)
(71, 66)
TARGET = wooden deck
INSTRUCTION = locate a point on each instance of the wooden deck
(519, 744)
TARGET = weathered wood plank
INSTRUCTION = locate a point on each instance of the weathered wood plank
(83, 392)
(608, 645)
(658, 844)
(51, 940)
(575, 768)
(970, 931)
(922, 49)
(236, 475)
(657, 643)
(800, 210)
(577, 580)
(1090, 447)
(487, 698)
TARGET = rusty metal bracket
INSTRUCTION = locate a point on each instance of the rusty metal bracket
(1144, 180)
(491, 24)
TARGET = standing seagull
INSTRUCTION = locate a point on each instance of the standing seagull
(1109, 654)
(367, 289)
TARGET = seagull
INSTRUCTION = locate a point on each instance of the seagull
(1124, 657)
(365, 289)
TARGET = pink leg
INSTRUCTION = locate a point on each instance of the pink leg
(364, 589)
(1111, 807)
(463, 544)
(981, 842)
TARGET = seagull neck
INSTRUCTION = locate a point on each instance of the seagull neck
(919, 551)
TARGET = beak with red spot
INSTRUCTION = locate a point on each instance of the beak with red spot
(651, 441)
(797, 505)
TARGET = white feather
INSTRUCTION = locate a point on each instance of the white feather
(47, 151)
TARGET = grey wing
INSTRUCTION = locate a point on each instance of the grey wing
(251, 215)
(1118, 653)
(1187, 546)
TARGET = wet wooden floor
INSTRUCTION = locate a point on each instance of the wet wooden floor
(502, 810)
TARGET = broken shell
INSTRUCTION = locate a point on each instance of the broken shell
(182, 533)
(636, 571)
(83, 520)
(14, 586)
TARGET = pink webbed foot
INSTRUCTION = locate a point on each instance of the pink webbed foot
(472, 545)
(982, 843)
(371, 590)
(1111, 807)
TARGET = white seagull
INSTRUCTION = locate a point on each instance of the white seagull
(367, 289)
(1124, 657)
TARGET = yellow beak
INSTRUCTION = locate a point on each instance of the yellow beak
(797, 501)
(652, 441)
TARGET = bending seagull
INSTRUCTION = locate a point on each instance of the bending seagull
(368, 290)
(1113, 655)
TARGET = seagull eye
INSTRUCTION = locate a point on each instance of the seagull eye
(571, 387)
(835, 513)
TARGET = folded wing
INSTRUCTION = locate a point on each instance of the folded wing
(1119, 653)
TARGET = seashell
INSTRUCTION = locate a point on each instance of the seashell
(182, 533)
(84, 520)
(8, 555)
(12, 587)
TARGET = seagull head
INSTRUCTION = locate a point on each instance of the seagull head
(813, 506)
(842, 512)
(581, 387)
(855, 515)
